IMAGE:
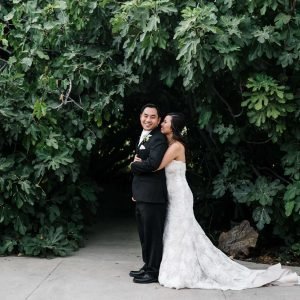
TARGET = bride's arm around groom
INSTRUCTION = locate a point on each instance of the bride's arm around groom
(150, 154)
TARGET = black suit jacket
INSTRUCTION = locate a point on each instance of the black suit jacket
(147, 185)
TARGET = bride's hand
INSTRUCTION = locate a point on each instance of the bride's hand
(136, 158)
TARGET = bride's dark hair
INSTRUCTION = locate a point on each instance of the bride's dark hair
(177, 125)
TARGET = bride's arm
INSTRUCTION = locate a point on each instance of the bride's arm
(171, 154)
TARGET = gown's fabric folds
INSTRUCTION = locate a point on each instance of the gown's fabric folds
(190, 260)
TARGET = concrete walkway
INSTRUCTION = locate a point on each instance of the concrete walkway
(100, 271)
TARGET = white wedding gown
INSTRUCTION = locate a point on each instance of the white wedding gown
(190, 260)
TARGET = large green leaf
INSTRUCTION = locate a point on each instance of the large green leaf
(261, 215)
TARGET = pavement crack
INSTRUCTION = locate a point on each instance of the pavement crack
(46, 277)
(224, 295)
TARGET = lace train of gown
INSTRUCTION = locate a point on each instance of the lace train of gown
(190, 260)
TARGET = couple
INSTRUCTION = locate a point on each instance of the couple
(175, 250)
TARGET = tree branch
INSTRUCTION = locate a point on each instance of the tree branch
(293, 5)
(275, 174)
(3, 67)
(255, 171)
(64, 98)
(226, 103)
(259, 143)
(5, 50)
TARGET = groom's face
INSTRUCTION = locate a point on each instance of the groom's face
(149, 118)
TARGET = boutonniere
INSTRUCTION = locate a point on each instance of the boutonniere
(146, 138)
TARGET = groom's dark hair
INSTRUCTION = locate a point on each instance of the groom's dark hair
(151, 105)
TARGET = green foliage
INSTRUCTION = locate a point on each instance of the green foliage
(296, 249)
(291, 160)
(268, 104)
(224, 132)
(58, 84)
(292, 198)
(53, 241)
(142, 25)
(74, 73)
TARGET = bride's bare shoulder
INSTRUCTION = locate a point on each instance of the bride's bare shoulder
(178, 145)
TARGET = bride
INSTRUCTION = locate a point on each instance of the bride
(190, 260)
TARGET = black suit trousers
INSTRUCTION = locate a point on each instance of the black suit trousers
(150, 222)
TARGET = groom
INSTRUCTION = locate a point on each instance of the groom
(150, 193)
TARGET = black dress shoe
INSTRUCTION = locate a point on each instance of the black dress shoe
(146, 278)
(137, 273)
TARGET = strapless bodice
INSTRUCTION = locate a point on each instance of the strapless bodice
(176, 168)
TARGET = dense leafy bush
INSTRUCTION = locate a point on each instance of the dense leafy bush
(58, 85)
(73, 74)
